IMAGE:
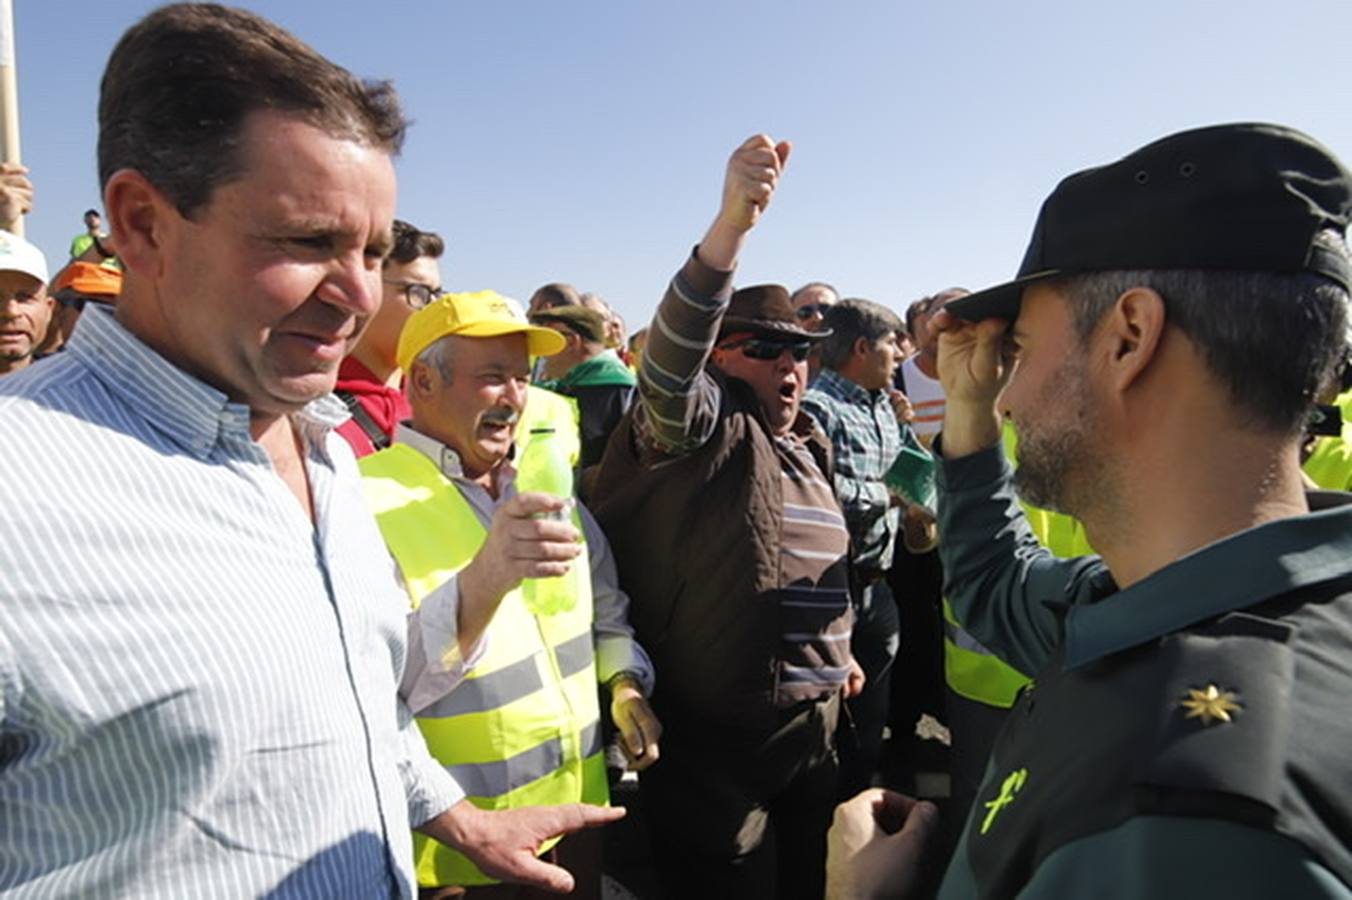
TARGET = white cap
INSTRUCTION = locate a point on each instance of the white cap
(17, 255)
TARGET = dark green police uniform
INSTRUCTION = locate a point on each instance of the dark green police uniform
(1190, 736)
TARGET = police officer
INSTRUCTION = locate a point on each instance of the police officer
(1158, 354)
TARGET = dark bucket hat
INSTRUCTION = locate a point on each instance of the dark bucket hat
(765, 311)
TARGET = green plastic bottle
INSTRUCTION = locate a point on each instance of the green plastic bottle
(544, 468)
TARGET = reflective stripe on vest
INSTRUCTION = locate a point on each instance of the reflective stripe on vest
(974, 672)
(523, 728)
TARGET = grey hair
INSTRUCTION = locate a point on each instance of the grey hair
(439, 355)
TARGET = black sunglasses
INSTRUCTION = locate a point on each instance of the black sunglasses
(755, 348)
(811, 309)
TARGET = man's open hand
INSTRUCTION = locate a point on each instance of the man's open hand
(504, 843)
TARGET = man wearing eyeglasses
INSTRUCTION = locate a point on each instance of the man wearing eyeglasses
(370, 381)
(715, 493)
(811, 301)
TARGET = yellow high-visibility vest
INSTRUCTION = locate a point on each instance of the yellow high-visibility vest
(523, 728)
(546, 409)
(970, 669)
(1330, 464)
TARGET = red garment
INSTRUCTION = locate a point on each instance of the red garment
(387, 406)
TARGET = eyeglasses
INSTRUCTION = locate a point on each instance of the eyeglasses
(755, 348)
(808, 310)
(416, 294)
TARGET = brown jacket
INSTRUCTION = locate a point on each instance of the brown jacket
(696, 537)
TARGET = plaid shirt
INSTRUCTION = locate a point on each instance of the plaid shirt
(863, 429)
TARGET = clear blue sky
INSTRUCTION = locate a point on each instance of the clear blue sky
(585, 141)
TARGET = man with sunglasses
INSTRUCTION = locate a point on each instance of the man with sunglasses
(370, 381)
(715, 493)
(811, 301)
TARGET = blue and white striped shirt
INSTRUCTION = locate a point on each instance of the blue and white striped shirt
(197, 684)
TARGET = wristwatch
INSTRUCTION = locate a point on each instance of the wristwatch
(622, 674)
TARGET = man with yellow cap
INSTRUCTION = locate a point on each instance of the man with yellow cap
(523, 728)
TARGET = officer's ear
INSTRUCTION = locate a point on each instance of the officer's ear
(1132, 329)
(861, 346)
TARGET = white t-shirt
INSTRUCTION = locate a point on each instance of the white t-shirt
(927, 399)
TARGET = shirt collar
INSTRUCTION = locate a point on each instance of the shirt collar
(836, 385)
(189, 411)
(1235, 573)
(443, 457)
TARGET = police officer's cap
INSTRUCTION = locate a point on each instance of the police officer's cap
(1245, 197)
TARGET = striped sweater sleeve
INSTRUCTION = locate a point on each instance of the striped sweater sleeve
(679, 401)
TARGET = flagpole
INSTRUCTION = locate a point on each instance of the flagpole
(9, 94)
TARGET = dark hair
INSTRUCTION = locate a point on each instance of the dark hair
(180, 84)
(411, 244)
(1273, 340)
(793, 298)
(91, 212)
(850, 320)
(556, 293)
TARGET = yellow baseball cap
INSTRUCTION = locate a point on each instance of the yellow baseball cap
(481, 314)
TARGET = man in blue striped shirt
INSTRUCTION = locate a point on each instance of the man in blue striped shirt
(201, 637)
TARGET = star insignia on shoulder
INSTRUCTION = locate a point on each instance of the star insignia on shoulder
(1210, 704)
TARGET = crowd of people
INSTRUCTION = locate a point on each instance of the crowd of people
(302, 617)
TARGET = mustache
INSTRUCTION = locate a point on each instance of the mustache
(500, 416)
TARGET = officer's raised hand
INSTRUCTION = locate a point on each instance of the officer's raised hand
(975, 361)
